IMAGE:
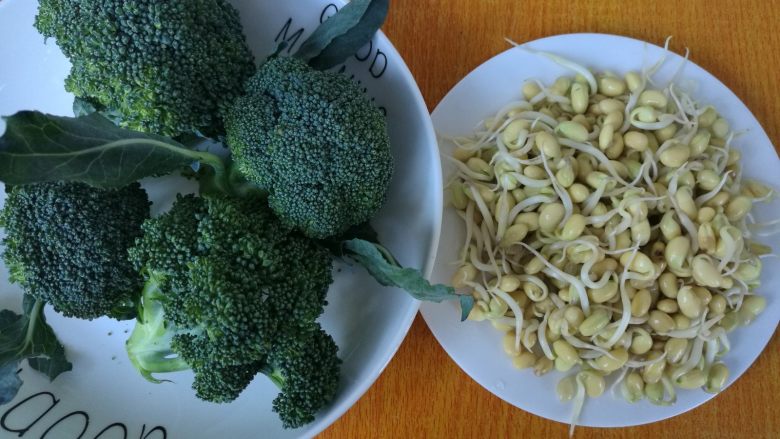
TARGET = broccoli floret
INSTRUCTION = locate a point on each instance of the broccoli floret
(305, 367)
(226, 279)
(162, 66)
(315, 143)
(222, 384)
(66, 244)
(157, 346)
(169, 242)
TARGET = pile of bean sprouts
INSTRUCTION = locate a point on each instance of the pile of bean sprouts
(607, 234)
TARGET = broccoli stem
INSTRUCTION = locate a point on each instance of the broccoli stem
(220, 180)
(223, 177)
(35, 314)
(149, 346)
(274, 374)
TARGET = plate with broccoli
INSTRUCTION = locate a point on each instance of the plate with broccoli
(217, 218)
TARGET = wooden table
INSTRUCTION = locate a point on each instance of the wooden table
(423, 393)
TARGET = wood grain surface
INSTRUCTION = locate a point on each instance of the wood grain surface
(423, 393)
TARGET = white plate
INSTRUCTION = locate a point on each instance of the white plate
(368, 322)
(476, 347)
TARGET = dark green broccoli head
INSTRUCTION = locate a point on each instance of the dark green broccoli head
(66, 244)
(216, 255)
(315, 143)
(162, 66)
(222, 384)
(169, 243)
(225, 305)
(305, 367)
(216, 380)
(231, 279)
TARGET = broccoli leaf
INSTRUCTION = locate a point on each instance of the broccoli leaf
(38, 147)
(28, 336)
(378, 261)
(10, 383)
(343, 34)
(82, 107)
(363, 231)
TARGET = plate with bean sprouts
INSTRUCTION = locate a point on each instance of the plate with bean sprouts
(610, 206)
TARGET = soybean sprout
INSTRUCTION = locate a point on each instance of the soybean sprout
(609, 233)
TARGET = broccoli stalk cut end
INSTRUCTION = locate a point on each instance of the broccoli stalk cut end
(149, 345)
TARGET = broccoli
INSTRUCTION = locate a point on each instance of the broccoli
(304, 365)
(164, 67)
(314, 142)
(66, 244)
(151, 349)
(227, 285)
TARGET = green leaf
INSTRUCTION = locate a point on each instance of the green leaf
(38, 147)
(82, 107)
(343, 34)
(362, 231)
(10, 383)
(339, 24)
(378, 261)
(28, 336)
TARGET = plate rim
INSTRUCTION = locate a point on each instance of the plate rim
(428, 317)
